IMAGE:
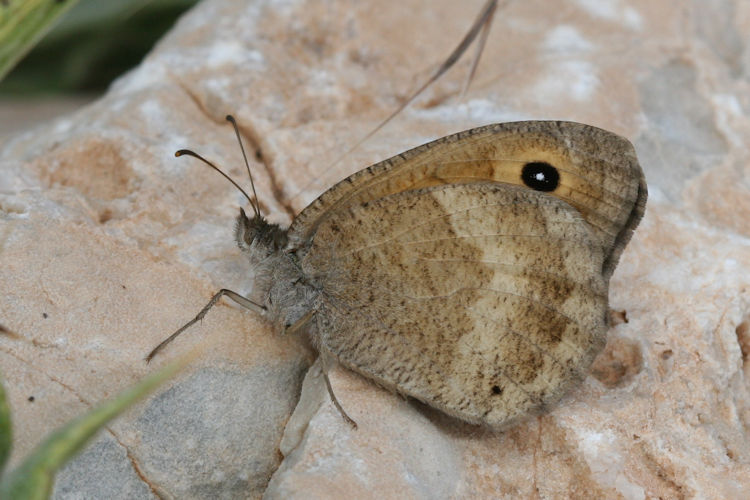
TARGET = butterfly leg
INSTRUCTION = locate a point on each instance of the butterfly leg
(291, 330)
(9, 333)
(347, 418)
(239, 299)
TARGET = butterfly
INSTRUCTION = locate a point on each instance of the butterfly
(470, 273)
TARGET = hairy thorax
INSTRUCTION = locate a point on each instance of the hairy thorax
(286, 293)
(280, 285)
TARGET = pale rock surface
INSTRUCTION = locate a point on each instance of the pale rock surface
(108, 243)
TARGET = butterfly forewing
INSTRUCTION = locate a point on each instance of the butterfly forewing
(598, 174)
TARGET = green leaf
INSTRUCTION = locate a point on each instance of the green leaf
(6, 430)
(22, 24)
(91, 45)
(34, 478)
(6, 434)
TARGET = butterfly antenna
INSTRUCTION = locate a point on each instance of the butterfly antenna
(485, 22)
(196, 155)
(481, 25)
(256, 207)
(481, 28)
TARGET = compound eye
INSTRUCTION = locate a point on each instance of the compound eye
(540, 176)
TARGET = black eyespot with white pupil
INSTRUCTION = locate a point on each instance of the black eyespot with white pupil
(540, 176)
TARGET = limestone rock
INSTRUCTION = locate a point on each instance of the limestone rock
(108, 244)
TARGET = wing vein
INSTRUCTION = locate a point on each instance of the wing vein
(451, 238)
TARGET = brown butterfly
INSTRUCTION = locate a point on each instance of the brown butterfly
(470, 273)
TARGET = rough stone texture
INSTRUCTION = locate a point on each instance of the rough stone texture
(108, 244)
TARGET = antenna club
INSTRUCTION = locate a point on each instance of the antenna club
(189, 152)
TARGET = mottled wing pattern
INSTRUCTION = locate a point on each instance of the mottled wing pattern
(484, 300)
(441, 275)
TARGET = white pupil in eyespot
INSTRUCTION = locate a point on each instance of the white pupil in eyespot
(539, 176)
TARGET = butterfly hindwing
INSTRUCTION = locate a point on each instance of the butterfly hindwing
(484, 300)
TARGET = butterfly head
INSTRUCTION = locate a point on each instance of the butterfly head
(256, 236)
